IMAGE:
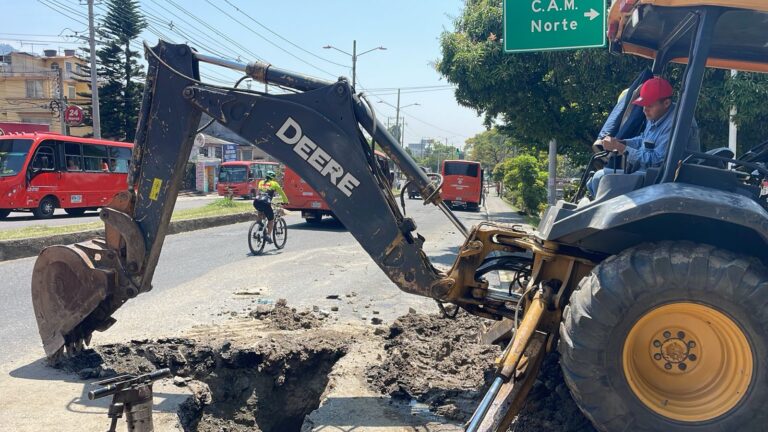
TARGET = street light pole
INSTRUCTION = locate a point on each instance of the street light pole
(354, 56)
(354, 62)
(95, 115)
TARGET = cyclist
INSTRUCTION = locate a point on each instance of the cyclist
(265, 192)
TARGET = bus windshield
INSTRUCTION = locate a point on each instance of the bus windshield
(462, 169)
(233, 174)
(13, 152)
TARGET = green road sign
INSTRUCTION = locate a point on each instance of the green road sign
(541, 25)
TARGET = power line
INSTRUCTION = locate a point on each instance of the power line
(208, 26)
(281, 37)
(61, 13)
(187, 34)
(267, 40)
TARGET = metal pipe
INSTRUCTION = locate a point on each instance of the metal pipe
(267, 74)
(485, 405)
(694, 75)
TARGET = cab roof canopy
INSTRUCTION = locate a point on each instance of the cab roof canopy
(649, 28)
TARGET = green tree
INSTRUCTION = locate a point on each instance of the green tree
(525, 182)
(120, 74)
(567, 95)
(490, 147)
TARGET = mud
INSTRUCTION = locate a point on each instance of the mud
(438, 362)
(282, 317)
(441, 363)
(269, 386)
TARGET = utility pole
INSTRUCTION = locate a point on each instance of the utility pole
(552, 192)
(354, 62)
(733, 130)
(96, 116)
(62, 102)
(397, 118)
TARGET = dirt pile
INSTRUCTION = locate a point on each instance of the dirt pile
(439, 362)
(269, 386)
(281, 317)
(549, 406)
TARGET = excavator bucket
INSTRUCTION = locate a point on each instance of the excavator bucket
(67, 291)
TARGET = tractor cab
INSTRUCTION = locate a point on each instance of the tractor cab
(710, 196)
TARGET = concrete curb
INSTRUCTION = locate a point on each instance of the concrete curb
(22, 248)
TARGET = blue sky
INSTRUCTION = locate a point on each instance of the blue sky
(290, 35)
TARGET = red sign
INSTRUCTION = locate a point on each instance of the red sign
(73, 115)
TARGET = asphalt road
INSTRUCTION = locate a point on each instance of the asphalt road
(24, 219)
(200, 274)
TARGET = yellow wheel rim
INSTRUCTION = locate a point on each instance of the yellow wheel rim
(687, 362)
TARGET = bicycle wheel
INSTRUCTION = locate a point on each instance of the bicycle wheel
(256, 239)
(280, 233)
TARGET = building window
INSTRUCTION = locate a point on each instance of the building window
(71, 92)
(34, 89)
(36, 120)
(68, 66)
(54, 66)
(218, 153)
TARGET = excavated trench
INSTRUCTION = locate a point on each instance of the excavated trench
(272, 378)
(270, 386)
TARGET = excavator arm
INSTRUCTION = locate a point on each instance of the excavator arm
(318, 130)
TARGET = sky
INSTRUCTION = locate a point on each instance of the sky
(291, 35)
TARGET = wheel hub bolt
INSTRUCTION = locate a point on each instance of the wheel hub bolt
(682, 366)
(667, 366)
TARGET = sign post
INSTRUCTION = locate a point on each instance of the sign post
(73, 115)
(546, 25)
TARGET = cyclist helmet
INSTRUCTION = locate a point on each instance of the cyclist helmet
(270, 175)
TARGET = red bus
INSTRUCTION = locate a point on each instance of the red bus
(242, 177)
(462, 183)
(302, 197)
(41, 172)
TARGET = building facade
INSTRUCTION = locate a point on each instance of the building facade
(32, 86)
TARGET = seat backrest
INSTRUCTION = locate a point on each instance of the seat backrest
(613, 185)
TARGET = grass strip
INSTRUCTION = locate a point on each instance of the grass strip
(220, 207)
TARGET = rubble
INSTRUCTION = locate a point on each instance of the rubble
(269, 386)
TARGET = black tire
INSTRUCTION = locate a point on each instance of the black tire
(4, 213)
(280, 233)
(45, 208)
(627, 292)
(314, 220)
(256, 239)
(75, 211)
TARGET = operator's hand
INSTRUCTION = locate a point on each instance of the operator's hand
(611, 144)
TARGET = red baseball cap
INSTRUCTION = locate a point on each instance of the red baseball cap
(653, 90)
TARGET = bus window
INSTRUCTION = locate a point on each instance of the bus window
(13, 152)
(95, 158)
(119, 159)
(462, 169)
(44, 159)
(73, 156)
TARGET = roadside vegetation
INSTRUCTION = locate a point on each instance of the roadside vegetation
(220, 207)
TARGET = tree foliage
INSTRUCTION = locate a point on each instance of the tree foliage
(567, 95)
(119, 72)
(436, 152)
(525, 181)
(490, 147)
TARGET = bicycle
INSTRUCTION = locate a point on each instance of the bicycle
(257, 233)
